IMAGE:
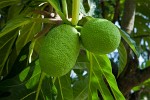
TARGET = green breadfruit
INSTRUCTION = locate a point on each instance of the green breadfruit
(100, 36)
(59, 51)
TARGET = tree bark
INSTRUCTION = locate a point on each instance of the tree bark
(125, 80)
(127, 23)
(117, 11)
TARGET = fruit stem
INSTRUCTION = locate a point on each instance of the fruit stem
(79, 27)
(40, 84)
(65, 9)
(75, 11)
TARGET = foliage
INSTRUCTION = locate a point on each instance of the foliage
(24, 24)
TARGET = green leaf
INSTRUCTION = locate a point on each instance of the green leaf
(82, 60)
(24, 74)
(14, 23)
(82, 56)
(21, 21)
(80, 65)
(147, 63)
(80, 89)
(13, 90)
(18, 86)
(6, 38)
(31, 74)
(130, 42)
(5, 50)
(17, 63)
(47, 91)
(96, 81)
(56, 6)
(105, 65)
(26, 34)
(65, 91)
(14, 10)
(122, 58)
(34, 79)
(38, 44)
(143, 7)
(4, 3)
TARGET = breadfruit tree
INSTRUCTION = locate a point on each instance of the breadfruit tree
(74, 49)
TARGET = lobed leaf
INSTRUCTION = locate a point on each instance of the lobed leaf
(16, 87)
(96, 81)
(5, 50)
(34, 79)
(105, 65)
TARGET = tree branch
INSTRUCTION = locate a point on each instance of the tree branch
(102, 7)
(130, 76)
(128, 16)
(133, 79)
(45, 13)
(116, 14)
(127, 24)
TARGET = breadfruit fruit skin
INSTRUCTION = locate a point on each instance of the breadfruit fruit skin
(59, 51)
(100, 36)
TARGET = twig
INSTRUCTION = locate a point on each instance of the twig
(45, 13)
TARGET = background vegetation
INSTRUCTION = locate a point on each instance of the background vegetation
(23, 25)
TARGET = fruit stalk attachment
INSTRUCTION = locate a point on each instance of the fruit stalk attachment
(75, 11)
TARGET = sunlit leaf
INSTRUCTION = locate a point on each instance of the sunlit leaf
(24, 74)
(34, 79)
(106, 70)
(96, 81)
